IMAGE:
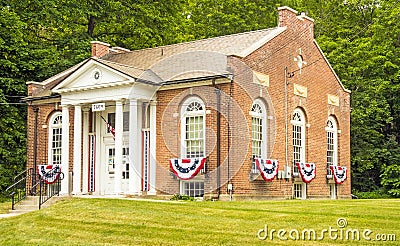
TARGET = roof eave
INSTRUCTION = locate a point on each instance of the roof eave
(261, 42)
(31, 99)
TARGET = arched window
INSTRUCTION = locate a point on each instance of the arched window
(331, 150)
(258, 132)
(55, 136)
(331, 140)
(193, 128)
(298, 138)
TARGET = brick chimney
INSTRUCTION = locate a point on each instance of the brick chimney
(100, 49)
(288, 18)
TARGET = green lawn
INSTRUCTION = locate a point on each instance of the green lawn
(4, 207)
(127, 222)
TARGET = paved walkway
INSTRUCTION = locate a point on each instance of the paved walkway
(7, 215)
(103, 196)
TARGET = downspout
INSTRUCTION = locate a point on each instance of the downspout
(218, 92)
(230, 186)
(35, 134)
(286, 119)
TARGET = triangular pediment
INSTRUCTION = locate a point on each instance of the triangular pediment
(92, 75)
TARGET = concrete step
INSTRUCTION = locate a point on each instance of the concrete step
(29, 200)
(28, 207)
(31, 203)
(20, 211)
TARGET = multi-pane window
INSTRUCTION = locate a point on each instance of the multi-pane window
(331, 140)
(193, 188)
(193, 141)
(111, 121)
(111, 161)
(257, 133)
(194, 130)
(55, 139)
(299, 190)
(125, 162)
(298, 138)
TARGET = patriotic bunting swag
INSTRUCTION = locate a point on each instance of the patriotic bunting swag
(49, 173)
(307, 171)
(268, 168)
(339, 173)
(186, 169)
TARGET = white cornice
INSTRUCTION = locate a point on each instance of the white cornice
(62, 87)
(94, 87)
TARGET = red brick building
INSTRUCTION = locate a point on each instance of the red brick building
(226, 117)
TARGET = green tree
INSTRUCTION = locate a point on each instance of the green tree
(13, 61)
(363, 46)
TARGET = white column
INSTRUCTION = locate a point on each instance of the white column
(77, 166)
(135, 147)
(153, 147)
(118, 146)
(65, 150)
(85, 147)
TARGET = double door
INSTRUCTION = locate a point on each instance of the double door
(111, 170)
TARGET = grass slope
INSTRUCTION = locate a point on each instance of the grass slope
(128, 222)
(4, 207)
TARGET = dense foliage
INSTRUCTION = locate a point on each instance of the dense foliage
(361, 39)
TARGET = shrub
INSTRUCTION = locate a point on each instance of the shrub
(179, 197)
(376, 194)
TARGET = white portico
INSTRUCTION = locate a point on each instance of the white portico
(103, 163)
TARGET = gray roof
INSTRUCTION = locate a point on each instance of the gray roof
(126, 69)
(241, 45)
(177, 62)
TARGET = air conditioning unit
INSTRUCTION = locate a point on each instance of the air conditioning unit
(287, 172)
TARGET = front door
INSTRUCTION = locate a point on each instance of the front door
(111, 173)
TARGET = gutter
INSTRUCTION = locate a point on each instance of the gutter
(196, 79)
(218, 93)
(32, 99)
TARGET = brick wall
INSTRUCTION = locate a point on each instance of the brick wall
(45, 111)
(271, 59)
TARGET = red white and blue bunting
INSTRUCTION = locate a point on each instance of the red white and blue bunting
(92, 163)
(186, 169)
(49, 173)
(339, 173)
(268, 168)
(307, 171)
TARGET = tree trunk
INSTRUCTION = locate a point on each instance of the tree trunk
(91, 25)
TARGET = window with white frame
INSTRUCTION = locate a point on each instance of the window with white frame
(193, 135)
(298, 137)
(258, 132)
(194, 188)
(125, 162)
(331, 140)
(193, 128)
(125, 123)
(299, 190)
(55, 139)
